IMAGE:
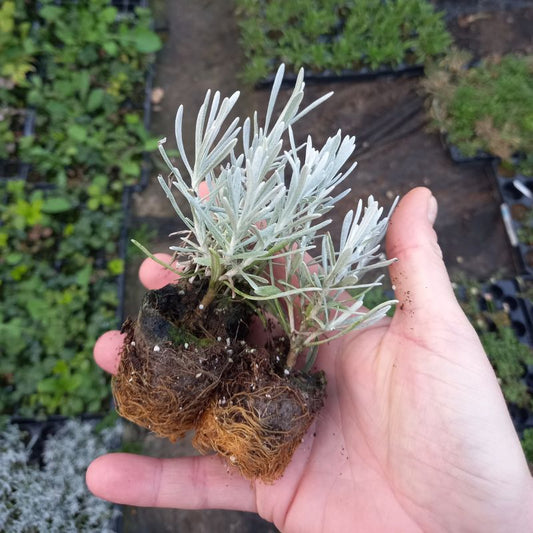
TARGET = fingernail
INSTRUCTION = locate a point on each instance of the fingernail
(432, 209)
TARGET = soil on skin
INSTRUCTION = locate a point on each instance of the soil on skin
(183, 368)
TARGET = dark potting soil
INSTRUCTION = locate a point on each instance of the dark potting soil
(187, 366)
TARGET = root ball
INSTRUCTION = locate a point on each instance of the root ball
(258, 426)
(182, 370)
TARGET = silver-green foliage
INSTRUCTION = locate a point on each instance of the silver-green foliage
(53, 498)
(267, 201)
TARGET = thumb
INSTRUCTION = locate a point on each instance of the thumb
(419, 277)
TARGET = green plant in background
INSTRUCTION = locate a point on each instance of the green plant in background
(89, 34)
(508, 356)
(17, 50)
(59, 261)
(11, 131)
(337, 35)
(377, 296)
(17, 59)
(144, 232)
(527, 444)
(486, 108)
(57, 295)
(89, 94)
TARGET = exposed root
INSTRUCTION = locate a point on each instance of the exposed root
(176, 374)
(258, 424)
(168, 390)
(246, 440)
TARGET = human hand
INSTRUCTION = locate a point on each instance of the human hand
(414, 436)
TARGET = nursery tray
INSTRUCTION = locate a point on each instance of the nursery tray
(122, 253)
(517, 194)
(458, 157)
(13, 169)
(522, 418)
(39, 430)
(505, 295)
(128, 6)
(124, 7)
(329, 76)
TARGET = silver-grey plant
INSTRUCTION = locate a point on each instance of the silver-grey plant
(53, 496)
(257, 202)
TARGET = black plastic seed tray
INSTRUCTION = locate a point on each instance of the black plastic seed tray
(522, 418)
(329, 76)
(146, 164)
(39, 430)
(458, 157)
(525, 289)
(124, 7)
(505, 295)
(516, 192)
(128, 6)
(516, 189)
(525, 253)
(14, 169)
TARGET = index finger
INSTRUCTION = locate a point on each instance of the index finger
(107, 348)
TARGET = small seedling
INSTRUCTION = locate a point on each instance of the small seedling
(254, 247)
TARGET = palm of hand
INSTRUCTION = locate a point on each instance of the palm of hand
(386, 452)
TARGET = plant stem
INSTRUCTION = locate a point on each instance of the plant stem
(209, 296)
(294, 351)
(154, 258)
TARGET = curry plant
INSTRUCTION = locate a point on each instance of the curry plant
(258, 201)
(49, 494)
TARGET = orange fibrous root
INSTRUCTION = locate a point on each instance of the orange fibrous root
(175, 376)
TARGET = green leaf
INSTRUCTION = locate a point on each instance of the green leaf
(267, 291)
(56, 204)
(93, 204)
(131, 168)
(47, 385)
(19, 271)
(96, 97)
(77, 132)
(13, 258)
(37, 308)
(111, 48)
(84, 82)
(116, 266)
(84, 275)
(132, 118)
(108, 15)
(151, 145)
(60, 367)
(146, 41)
(50, 12)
